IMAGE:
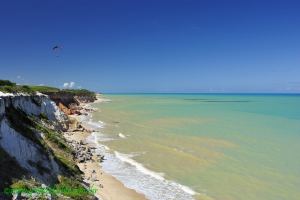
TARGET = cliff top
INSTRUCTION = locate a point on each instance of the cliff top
(8, 87)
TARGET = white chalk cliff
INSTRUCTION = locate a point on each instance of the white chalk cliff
(27, 153)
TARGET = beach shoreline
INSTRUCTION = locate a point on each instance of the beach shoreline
(107, 187)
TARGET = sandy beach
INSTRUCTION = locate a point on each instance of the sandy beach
(108, 187)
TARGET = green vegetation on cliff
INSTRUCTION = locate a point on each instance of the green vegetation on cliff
(73, 189)
(62, 151)
(44, 89)
(79, 92)
(7, 86)
(66, 188)
(47, 138)
(6, 83)
(51, 90)
(53, 142)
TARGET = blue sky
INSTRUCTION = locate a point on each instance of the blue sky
(153, 45)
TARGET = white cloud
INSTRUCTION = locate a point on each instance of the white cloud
(69, 84)
(66, 85)
(72, 84)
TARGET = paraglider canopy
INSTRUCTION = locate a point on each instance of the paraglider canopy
(56, 49)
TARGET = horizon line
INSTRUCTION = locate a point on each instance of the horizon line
(232, 93)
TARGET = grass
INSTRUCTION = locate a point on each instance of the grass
(10, 87)
(73, 189)
(66, 188)
(44, 89)
(6, 82)
(63, 152)
(53, 142)
(43, 116)
(25, 184)
(7, 86)
(68, 163)
(79, 92)
(16, 89)
(29, 186)
(51, 90)
(54, 137)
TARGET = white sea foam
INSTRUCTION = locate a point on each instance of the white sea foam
(121, 135)
(90, 124)
(99, 137)
(135, 176)
(96, 125)
(101, 100)
(140, 167)
(106, 147)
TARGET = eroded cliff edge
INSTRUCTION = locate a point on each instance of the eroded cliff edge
(32, 144)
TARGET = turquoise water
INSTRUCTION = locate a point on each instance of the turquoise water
(227, 147)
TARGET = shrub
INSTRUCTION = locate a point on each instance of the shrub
(6, 83)
(72, 188)
(44, 89)
(16, 89)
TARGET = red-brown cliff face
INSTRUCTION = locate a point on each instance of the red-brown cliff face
(69, 103)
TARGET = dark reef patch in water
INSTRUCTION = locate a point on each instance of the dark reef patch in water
(218, 101)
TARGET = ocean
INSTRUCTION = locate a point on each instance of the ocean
(202, 146)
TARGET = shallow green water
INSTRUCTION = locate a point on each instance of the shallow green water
(229, 147)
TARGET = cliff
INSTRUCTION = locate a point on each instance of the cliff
(32, 143)
(24, 147)
(69, 100)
